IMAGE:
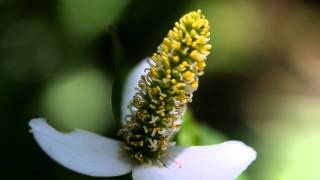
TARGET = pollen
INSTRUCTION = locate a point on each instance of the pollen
(188, 75)
(176, 45)
(163, 93)
(196, 55)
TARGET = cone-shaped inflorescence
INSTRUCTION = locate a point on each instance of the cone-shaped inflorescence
(163, 93)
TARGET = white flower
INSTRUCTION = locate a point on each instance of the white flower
(99, 156)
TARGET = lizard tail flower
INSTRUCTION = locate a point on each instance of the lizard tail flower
(163, 93)
(154, 100)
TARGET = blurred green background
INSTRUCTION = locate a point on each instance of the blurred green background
(60, 59)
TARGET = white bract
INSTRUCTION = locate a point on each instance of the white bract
(99, 156)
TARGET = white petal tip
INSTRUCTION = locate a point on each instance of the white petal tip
(37, 124)
(246, 154)
(33, 123)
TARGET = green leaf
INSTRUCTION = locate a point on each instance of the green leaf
(208, 136)
(193, 133)
(189, 131)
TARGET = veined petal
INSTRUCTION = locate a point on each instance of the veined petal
(81, 151)
(130, 84)
(224, 161)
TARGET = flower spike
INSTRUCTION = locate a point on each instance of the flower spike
(163, 93)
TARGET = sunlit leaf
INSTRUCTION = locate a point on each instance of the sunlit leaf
(79, 99)
(193, 133)
(189, 132)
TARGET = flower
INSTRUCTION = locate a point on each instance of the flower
(165, 85)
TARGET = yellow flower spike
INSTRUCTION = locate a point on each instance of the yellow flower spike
(165, 91)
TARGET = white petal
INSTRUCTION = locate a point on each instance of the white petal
(130, 85)
(81, 151)
(224, 161)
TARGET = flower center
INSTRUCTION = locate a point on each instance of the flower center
(163, 93)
